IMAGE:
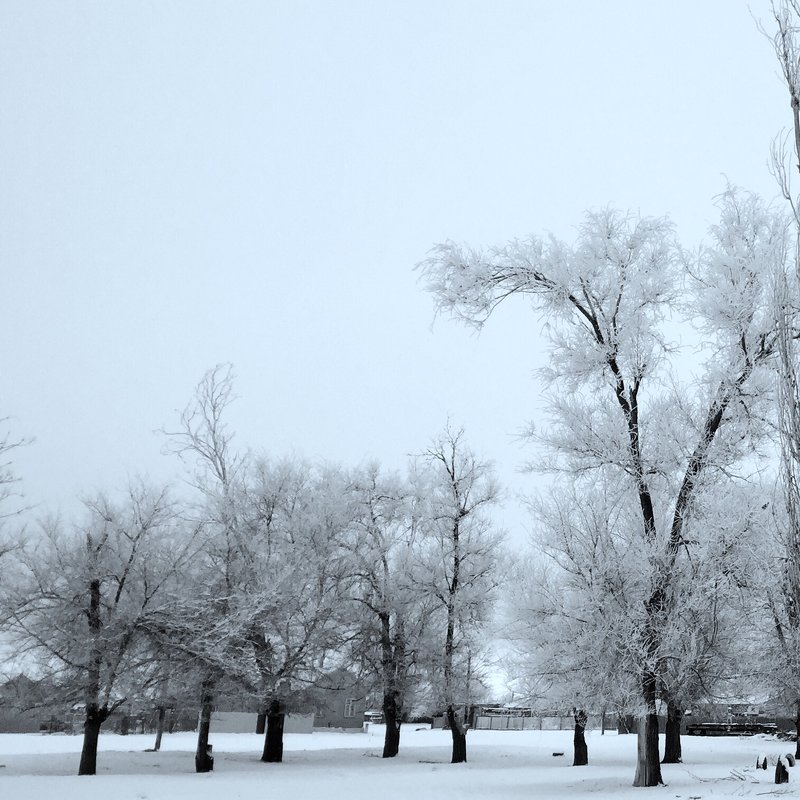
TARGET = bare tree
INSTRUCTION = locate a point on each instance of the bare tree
(459, 556)
(271, 573)
(9, 480)
(391, 616)
(294, 594)
(81, 595)
(205, 439)
(11, 496)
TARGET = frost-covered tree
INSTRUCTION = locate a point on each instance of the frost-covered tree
(80, 597)
(459, 556)
(10, 495)
(711, 601)
(391, 615)
(199, 625)
(784, 593)
(572, 616)
(267, 608)
(292, 600)
(617, 405)
(775, 612)
(575, 616)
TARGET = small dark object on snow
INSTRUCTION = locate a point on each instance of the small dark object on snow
(558, 754)
(781, 773)
(761, 761)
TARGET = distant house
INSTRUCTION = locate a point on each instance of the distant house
(342, 702)
(344, 708)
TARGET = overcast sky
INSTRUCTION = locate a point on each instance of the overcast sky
(187, 183)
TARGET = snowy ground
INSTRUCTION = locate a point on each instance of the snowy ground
(346, 766)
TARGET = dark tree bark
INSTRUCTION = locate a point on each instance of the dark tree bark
(203, 761)
(797, 727)
(672, 739)
(781, 773)
(456, 728)
(393, 656)
(391, 716)
(581, 757)
(95, 716)
(459, 734)
(273, 741)
(261, 723)
(648, 767)
(162, 715)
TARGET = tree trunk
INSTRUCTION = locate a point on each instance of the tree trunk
(648, 769)
(391, 716)
(581, 757)
(393, 656)
(459, 735)
(797, 727)
(91, 733)
(261, 723)
(203, 760)
(95, 714)
(162, 714)
(273, 741)
(672, 739)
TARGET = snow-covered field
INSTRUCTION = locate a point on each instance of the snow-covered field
(347, 766)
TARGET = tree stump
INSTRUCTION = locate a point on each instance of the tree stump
(782, 771)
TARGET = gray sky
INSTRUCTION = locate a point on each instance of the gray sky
(186, 183)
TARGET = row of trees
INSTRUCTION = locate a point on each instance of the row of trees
(667, 551)
(273, 580)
